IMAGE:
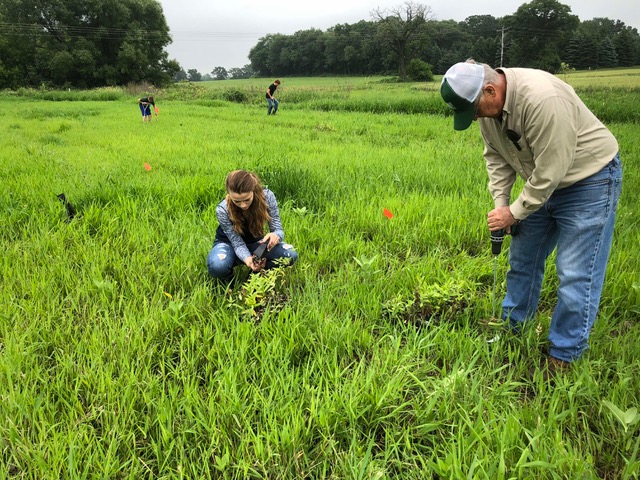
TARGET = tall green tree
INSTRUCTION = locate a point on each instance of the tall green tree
(449, 43)
(582, 52)
(598, 28)
(339, 50)
(484, 32)
(193, 75)
(220, 73)
(242, 72)
(352, 49)
(626, 47)
(400, 28)
(312, 45)
(607, 56)
(266, 55)
(84, 43)
(613, 42)
(539, 32)
(585, 48)
(180, 75)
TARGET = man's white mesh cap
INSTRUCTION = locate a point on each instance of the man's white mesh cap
(459, 89)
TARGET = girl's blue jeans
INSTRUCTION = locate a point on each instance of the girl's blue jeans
(578, 221)
(222, 258)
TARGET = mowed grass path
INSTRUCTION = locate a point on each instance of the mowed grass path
(120, 358)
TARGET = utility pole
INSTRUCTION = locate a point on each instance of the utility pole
(502, 47)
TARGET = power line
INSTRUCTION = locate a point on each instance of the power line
(37, 30)
(30, 29)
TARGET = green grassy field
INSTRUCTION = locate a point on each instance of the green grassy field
(369, 359)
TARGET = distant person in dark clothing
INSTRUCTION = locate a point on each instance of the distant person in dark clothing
(145, 107)
(273, 103)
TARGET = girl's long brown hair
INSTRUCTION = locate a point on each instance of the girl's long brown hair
(257, 215)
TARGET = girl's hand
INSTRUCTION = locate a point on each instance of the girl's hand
(253, 265)
(272, 238)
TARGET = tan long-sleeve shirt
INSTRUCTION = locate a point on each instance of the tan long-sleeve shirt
(555, 140)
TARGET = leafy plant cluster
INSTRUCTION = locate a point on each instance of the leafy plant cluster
(105, 94)
(235, 95)
(260, 291)
(431, 302)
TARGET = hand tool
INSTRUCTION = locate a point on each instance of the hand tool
(497, 237)
(258, 253)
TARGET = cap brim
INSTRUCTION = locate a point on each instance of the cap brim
(463, 110)
(463, 118)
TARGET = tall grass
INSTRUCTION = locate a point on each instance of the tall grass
(120, 358)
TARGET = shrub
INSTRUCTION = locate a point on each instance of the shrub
(235, 95)
(419, 71)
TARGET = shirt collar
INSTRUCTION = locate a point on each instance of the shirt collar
(509, 97)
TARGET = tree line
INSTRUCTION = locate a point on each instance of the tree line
(218, 73)
(540, 34)
(94, 43)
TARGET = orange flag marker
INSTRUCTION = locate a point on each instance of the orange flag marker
(147, 167)
(387, 213)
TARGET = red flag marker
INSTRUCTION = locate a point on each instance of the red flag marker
(387, 213)
(147, 167)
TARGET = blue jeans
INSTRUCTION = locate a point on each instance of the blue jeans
(578, 220)
(222, 258)
(273, 105)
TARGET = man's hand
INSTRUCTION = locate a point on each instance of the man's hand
(500, 218)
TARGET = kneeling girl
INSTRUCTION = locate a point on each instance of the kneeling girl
(243, 215)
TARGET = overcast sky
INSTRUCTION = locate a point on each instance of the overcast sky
(211, 33)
